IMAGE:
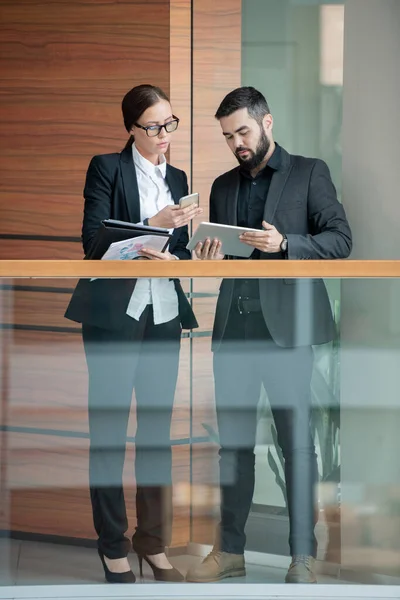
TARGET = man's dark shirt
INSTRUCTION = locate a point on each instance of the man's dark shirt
(253, 192)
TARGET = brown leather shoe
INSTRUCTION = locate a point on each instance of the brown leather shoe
(301, 570)
(216, 566)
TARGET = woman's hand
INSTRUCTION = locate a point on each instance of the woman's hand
(174, 216)
(155, 255)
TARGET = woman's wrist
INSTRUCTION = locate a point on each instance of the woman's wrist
(153, 222)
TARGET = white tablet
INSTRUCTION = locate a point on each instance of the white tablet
(227, 234)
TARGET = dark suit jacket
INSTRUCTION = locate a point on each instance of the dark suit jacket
(302, 204)
(111, 192)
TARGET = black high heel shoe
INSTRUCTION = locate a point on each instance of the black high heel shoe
(159, 574)
(127, 577)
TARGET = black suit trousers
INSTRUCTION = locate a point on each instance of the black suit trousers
(247, 358)
(144, 357)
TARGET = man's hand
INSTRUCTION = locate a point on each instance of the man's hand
(269, 240)
(209, 250)
(173, 216)
(155, 255)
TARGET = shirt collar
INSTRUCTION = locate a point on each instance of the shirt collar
(274, 163)
(275, 160)
(147, 166)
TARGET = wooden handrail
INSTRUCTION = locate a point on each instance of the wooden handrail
(196, 268)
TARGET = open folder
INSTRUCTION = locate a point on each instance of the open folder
(120, 240)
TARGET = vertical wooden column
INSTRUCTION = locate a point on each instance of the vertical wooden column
(216, 71)
(5, 335)
(181, 82)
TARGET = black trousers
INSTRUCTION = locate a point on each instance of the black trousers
(247, 358)
(144, 357)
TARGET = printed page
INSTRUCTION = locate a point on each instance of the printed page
(128, 249)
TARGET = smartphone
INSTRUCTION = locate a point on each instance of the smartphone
(189, 200)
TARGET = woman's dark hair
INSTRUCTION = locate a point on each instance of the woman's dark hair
(136, 101)
(244, 97)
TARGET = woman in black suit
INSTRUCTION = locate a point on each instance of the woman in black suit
(131, 334)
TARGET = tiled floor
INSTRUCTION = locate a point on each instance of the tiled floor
(38, 571)
(34, 563)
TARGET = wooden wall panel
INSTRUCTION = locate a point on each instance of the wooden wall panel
(4, 407)
(42, 305)
(51, 473)
(47, 379)
(38, 309)
(47, 389)
(67, 284)
(47, 384)
(180, 83)
(216, 71)
(39, 250)
(65, 69)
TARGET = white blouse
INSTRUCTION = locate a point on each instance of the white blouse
(154, 195)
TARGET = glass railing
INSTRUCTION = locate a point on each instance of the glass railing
(279, 410)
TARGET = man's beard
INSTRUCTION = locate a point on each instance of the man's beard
(255, 158)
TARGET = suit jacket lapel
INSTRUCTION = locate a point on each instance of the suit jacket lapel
(131, 188)
(174, 185)
(232, 198)
(177, 192)
(278, 183)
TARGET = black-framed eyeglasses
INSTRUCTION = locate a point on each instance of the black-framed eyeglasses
(155, 130)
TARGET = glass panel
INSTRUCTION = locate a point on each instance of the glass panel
(46, 512)
(353, 420)
(45, 436)
(292, 51)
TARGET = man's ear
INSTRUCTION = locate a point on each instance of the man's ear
(268, 122)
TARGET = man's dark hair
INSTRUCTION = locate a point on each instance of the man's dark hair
(244, 97)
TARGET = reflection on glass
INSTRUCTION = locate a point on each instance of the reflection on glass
(293, 52)
(332, 41)
(45, 444)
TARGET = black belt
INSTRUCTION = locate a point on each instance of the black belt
(246, 305)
